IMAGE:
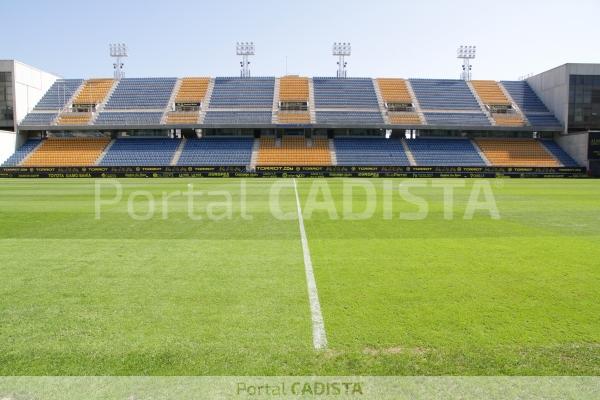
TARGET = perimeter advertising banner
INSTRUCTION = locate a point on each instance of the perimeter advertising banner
(594, 146)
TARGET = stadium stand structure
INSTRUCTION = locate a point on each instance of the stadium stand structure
(295, 151)
(267, 121)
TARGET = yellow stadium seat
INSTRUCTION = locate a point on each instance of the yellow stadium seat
(72, 152)
(294, 151)
(293, 89)
(192, 90)
(516, 153)
(94, 91)
(394, 90)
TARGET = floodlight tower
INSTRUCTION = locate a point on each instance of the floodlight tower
(118, 51)
(245, 49)
(341, 51)
(466, 53)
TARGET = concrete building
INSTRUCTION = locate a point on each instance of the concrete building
(572, 93)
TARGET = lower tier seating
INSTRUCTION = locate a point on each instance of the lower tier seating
(21, 153)
(152, 152)
(72, 152)
(370, 151)
(294, 151)
(559, 153)
(217, 151)
(516, 153)
(445, 152)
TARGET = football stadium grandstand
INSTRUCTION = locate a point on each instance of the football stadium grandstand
(262, 123)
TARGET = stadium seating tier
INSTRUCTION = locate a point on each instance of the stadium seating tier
(71, 152)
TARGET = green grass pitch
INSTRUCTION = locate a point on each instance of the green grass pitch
(519, 295)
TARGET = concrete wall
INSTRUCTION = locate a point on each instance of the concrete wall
(576, 145)
(7, 145)
(552, 87)
(29, 86)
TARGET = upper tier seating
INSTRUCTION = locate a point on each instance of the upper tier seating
(94, 91)
(293, 89)
(524, 96)
(59, 94)
(294, 151)
(394, 90)
(457, 119)
(129, 118)
(490, 93)
(349, 117)
(70, 118)
(21, 153)
(445, 152)
(150, 152)
(345, 93)
(243, 93)
(183, 117)
(285, 117)
(39, 119)
(238, 117)
(402, 118)
(516, 153)
(192, 90)
(217, 151)
(370, 152)
(71, 152)
(559, 153)
(141, 93)
(444, 94)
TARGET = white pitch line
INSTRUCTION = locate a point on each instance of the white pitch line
(318, 326)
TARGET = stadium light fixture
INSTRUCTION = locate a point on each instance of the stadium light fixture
(342, 50)
(466, 53)
(245, 50)
(118, 51)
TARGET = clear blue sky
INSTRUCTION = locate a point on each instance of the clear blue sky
(415, 38)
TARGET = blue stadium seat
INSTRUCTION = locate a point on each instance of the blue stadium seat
(238, 117)
(141, 93)
(562, 156)
(349, 117)
(141, 152)
(524, 96)
(59, 94)
(345, 93)
(370, 152)
(445, 152)
(38, 119)
(217, 151)
(128, 118)
(444, 94)
(243, 93)
(21, 153)
(544, 121)
(457, 119)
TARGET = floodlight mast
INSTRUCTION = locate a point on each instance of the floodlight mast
(341, 51)
(118, 51)
(466, 53)
(245, 49)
